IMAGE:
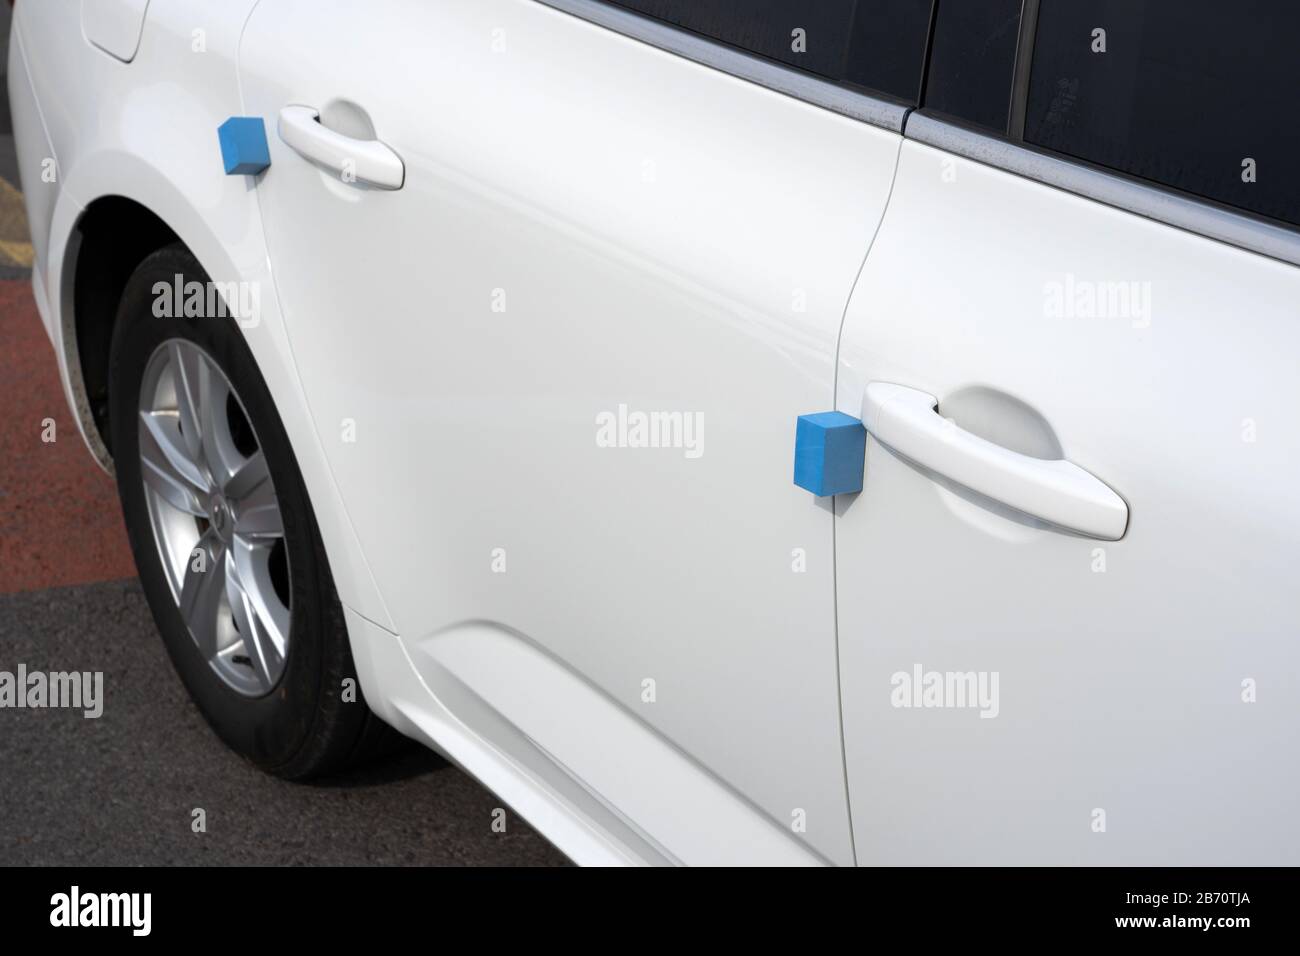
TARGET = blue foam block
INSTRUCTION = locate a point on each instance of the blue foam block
(829, 451)
(244, 149)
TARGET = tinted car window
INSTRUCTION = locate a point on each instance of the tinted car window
(875, 44)
(973, 61)
(1193, 94)
(887, 47)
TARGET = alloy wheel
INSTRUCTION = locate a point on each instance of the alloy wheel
(215, 517)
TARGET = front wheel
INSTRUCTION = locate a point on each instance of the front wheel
(224, 537)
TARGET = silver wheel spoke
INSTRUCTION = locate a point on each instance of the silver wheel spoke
(248, 478)
(252, 567)
(186, 370)
(260, 524)
(257, 509)
(205, 582)
(213, 391)
(265, 657)
(166, 465)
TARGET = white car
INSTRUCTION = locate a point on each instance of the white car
(735, 433)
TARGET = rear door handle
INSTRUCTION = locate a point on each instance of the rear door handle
(369, 161)
(1057, 492)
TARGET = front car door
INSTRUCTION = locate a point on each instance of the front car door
(557, 372)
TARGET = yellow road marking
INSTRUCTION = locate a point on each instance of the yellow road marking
(15, 241)
(16, 254)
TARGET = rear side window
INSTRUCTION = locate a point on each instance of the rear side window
(973, 61)
(1193, 94)
(878, 45)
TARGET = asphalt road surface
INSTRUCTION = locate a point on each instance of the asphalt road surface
(124, 788)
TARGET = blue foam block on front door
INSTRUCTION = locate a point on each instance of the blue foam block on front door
(829, 451)
(244, 149)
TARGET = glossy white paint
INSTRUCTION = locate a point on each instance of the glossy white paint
(1121, 664)
(561, 248)
(502, 758)
(1053, 490)
(114, 25)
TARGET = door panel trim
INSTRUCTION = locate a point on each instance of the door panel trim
(782, 79)
(1113, 189)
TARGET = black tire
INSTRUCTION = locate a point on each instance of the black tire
(303, 727)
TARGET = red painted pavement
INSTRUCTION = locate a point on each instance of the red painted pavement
(60, 522)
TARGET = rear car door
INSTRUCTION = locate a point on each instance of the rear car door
(1089, 257)
(557, 371)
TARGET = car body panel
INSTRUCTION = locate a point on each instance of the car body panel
(1121, 664)
(644, 256)
(114, 25)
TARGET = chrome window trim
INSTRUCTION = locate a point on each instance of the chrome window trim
(1113, 189)
(737, 63)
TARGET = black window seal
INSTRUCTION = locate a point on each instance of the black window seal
(1024, 66)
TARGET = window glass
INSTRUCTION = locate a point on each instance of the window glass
(887, 48)
(1193, 94)
(875, 44)
(973, 61)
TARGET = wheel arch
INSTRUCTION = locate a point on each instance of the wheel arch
(114, 210)
(109, 184)
(111, 238)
